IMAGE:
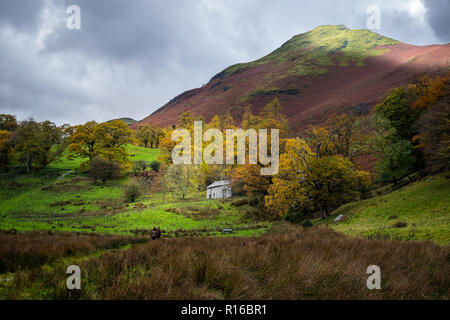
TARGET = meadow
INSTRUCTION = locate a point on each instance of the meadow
(62, 199)
(418, 211)
(56, 218)
(288, 263)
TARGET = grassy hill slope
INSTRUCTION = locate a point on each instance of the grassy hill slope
(419, 211)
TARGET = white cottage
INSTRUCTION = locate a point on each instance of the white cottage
(219, 190)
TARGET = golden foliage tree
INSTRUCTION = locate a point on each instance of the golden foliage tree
(308, 181)
(248, 178)
(144, 134)
(149, 135)
(105, 140)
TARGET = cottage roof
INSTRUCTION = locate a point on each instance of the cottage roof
(218, 184)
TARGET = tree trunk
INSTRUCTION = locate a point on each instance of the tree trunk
(28, 163)
(324, 212)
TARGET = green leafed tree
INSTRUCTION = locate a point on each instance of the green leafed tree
(6, 148)
(396, 109)
(397, 161)
(37, 144)
(8, 122)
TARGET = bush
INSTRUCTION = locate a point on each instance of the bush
(155, 165)
(101, 169)
(293, 217)
(400, 224)
(239, 203)
(307, 224)
(132, 191)
(139, 166)
(254, 202)
(298, 216)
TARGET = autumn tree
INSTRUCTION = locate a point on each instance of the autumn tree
(247, 178)
(434, 136)
(85, 141)
(272, 117)
(426, 91)
(186, 120)
(144, 134)
(114, 136)
(249, 120)
(8, 122)
(105, 140)
(341, 130)
(165, 146)
(149, 135)
(158, 134)
(320, 141)
(182, 178)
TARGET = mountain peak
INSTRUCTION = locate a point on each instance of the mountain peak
(311, 52)
(313, 74)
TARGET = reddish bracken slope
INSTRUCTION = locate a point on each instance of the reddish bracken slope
(306, 99)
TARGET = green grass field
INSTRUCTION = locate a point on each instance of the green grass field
(419, 211)
(61, 199)
(72, 220)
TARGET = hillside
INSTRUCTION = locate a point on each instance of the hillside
(419, 211)
(313, 75)
(128, 121)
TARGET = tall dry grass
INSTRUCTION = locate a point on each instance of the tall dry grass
(316, 263)
(19, 251)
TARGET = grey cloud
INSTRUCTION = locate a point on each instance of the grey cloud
(438, 17)
(22, 14)
(130, 57)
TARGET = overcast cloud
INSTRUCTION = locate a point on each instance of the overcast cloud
(131, 57)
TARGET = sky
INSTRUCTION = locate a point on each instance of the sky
(130, 57)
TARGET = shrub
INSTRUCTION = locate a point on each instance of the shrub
(155, 165)
(139, 166)
(293, 217)
(400, 224)
(132, 191)
(101, 169)
(239, 203)
(298, 216)
(307, 224)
